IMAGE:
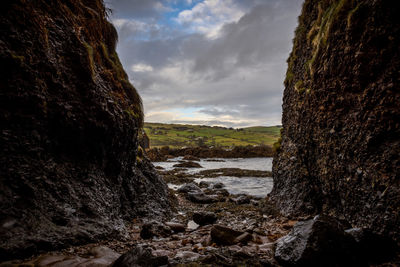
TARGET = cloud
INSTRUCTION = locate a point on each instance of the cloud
(231, 70)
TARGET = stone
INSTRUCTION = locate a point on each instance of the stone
(317, 242)
(244, 238)
(140, 256)
(204, 218)
(223, 235)
(187, 256)
(190, 187)
(242, 199)
(191, 158)
(200, 197)
(204, 184)
(218, 185)
(188, 164)
(154, 229)
(176, 227)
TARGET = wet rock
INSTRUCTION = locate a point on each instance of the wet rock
(204, 184)
(242, 199)
(138, 257)
(190, 187)
(154, 228)
(224, 235)
(176, 227)
(188, 164)
(200, 197)
(218, 185)
(222, 192)
(191, 158)
(204, 218)
(317, 242)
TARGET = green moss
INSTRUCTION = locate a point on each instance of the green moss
(18, 58)
(351, 14)
(140, 154)
(89, 50)
(299, 87)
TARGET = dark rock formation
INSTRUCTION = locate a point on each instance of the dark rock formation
(317, 242)
(340, 148)
(70, 171)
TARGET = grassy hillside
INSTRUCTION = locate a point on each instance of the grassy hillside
(178, 135)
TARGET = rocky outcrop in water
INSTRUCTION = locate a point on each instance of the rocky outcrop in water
(70, 168)
(340, 149)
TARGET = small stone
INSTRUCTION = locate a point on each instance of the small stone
(244, 238)
(176, 227)
(154, 228)
(224, 235)
(204, 218)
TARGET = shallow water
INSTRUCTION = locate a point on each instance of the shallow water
(255, 186)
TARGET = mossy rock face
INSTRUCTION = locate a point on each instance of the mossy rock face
(340, 144)
(71, 171)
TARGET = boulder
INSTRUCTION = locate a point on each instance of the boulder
(190, 187)
(191, 158)
(154, 228)
(223, 235)
(201, 198)
(138, 257)
(204, 218)
(204, 184)
(317, 242)
(188, 164)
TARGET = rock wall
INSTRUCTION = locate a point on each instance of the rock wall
(70, 168)
(340, 149)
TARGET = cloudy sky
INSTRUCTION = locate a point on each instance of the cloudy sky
(212, 62)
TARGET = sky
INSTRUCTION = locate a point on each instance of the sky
(209, 62)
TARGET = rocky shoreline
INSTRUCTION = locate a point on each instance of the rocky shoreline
(193, 153)
(210, 227)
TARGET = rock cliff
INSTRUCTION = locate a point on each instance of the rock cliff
(340, 148)
(70, 168)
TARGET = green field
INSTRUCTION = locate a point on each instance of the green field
(180, 135)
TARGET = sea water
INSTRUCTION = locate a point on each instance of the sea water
(255, 186)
